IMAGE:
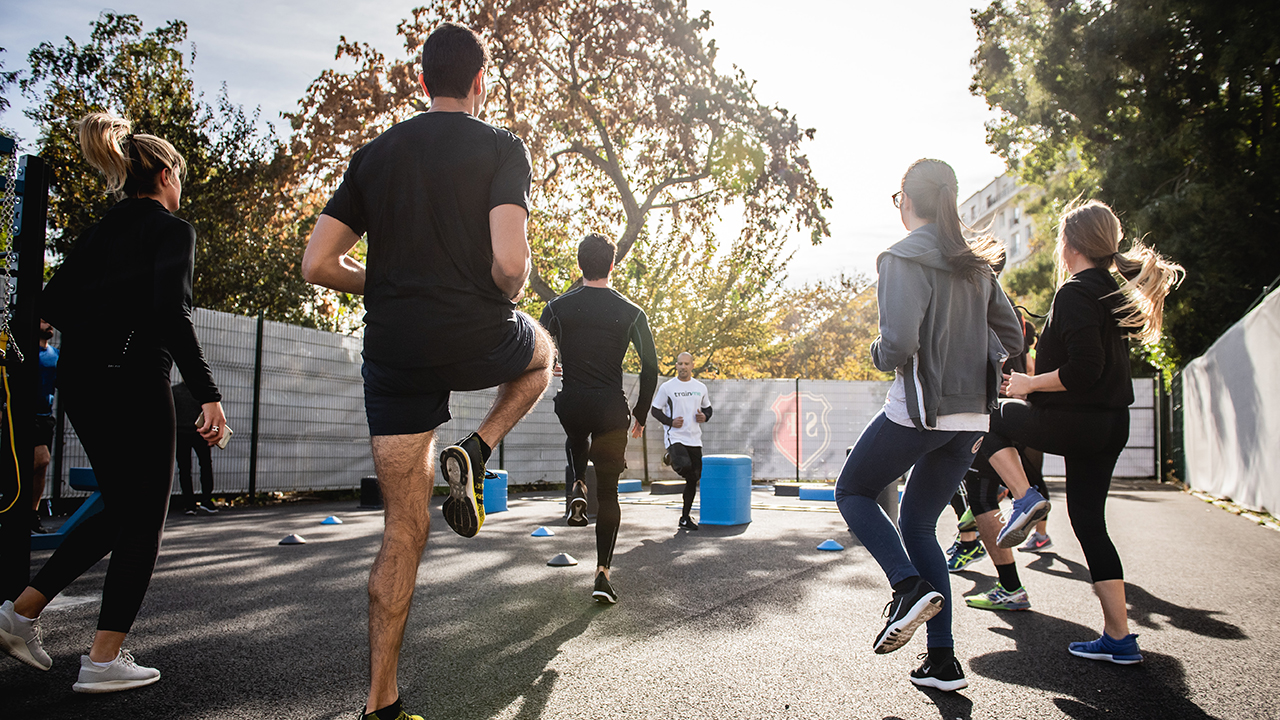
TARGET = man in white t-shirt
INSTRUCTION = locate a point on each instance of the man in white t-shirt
(682, 405)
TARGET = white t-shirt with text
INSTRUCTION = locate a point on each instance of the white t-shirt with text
(683, 399)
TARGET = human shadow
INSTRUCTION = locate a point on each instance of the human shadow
(1157, 688)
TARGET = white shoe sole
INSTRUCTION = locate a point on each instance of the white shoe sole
(578, 512)
(17, 647)
(1103, 656)
(1014, 535)
(601, 596)
(944, 685)
(110, 686)
(898, 634)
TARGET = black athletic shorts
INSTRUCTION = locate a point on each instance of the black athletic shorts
(44, 431)
(407, 401)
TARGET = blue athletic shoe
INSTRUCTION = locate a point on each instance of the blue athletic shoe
(1120, 652)
(1027, 511)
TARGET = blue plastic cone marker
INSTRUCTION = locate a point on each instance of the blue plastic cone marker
(830, 545)
(562, 560)
(331, 520)
(293, 539)
(542, 531)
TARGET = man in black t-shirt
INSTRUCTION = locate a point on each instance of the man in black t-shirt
(443, 200)
(593, 325)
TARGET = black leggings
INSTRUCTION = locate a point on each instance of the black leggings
(595, 426)
(982, 484)
(1091, 441)
(188, 441)
(125, 422)
(686, 460)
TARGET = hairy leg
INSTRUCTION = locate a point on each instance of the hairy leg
(516, 398)
(405, 476)
(989, 527)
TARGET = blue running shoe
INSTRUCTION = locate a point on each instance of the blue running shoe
(1027, 511)
(962, 558)
(1120, 652)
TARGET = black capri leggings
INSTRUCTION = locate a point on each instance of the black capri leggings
(1090, 439)
(125, 421)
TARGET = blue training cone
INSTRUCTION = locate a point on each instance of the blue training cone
(542, 531)
(331, 520)
(292, 539)
(831, 545)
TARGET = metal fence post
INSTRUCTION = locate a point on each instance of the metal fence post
(257, 396)
(796, 426)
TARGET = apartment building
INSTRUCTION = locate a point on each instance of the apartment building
(1001, 206)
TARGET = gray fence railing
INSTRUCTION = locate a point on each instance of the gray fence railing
(312, 433)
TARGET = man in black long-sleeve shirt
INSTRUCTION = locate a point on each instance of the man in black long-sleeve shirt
(593, 325)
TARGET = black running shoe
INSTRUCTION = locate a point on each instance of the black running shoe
(947, 676)
(37, 527)
(687, 523)
(463, 468)
(906, 612)
(578, 505)
(604, 592)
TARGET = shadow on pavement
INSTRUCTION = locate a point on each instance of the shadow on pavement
(1089, 688)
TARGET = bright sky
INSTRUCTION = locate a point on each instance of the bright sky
(883, 83)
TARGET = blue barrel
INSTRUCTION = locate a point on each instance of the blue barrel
(726, 490)
(495, 491)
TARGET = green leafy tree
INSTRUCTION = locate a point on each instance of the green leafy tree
(239, 190)
(633, 132)
(824, 330)
(1170, 110)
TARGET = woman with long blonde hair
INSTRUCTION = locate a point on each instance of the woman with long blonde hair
(122, 300)
(1077, 405)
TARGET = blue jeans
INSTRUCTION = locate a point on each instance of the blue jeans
(882, 454)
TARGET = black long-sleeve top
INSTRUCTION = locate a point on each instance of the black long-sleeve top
(1084, 342)
(592, 328)
(122, 298)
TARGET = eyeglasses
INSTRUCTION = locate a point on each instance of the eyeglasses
(897, 199)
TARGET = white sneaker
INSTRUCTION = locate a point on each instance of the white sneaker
(122, 674)
(22, 639)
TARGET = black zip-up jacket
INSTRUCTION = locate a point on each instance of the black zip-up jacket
(1084, 342)
(122, 299)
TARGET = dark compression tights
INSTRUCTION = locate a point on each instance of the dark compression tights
(125, 422)
(1090, 441)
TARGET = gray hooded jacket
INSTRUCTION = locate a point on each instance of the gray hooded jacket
(946, 335)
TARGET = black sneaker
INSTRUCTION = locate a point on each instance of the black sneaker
(604, 592)
(578, 505)
(206, 509)
(37, 527)
(947, 676)
(192, 511)
(906, 612)
(687, 523)
(463, 468)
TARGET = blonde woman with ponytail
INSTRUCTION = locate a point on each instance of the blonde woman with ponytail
(122, 300)
(945, 327)
(1077, 405)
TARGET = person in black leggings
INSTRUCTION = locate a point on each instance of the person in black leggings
(114, 382)
(1077, 405)
(593, 325)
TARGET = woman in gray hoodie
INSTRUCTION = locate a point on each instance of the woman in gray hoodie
(945, 328)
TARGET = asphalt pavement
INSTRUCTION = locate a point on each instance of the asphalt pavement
(748, 621)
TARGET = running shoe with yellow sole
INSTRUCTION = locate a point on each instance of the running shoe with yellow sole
(463, 468)
(997, 598)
